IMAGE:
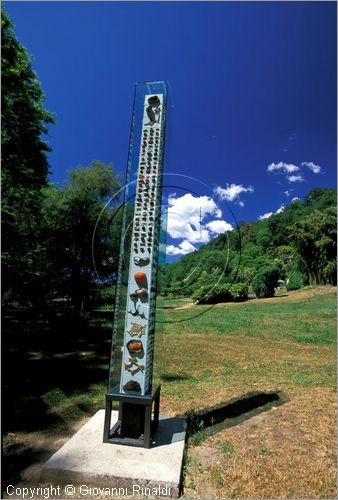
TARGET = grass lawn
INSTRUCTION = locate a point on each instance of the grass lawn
(56, 376)
(285, 343)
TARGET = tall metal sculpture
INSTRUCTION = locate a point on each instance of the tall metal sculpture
(131, 370)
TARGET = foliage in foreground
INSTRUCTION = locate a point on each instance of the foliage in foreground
(71, 216)
(48, 248)
(24, 165)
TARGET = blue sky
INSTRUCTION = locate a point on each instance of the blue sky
(253, 96)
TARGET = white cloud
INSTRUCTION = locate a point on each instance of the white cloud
(194, 206)
(186, 214)
(295, 178)
(265, 216)
(314, 168)
(232, 192)
(219, 226)
(287, 168)
(182, 249)
(295, 199)
(187, 220)
(288, 192)
(268, 214)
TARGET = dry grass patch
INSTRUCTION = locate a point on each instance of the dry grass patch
(282, 344)
(287, 452)
(242, 365)
(302, 294)
(285, 344)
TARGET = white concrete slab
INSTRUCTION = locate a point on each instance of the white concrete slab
(86, 458)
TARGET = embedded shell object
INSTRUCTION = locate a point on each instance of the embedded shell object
(132, 385)
(141, 279)
(135, 347)
(140, 293)
(154, 100)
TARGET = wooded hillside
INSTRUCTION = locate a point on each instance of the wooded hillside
(297, 245)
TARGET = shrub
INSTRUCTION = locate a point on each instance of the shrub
(265, 282)
(296, 280)
(213, 294)
(239, 292)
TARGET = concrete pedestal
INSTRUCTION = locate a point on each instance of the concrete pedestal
(86, 460)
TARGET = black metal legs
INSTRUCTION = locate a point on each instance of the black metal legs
(156, 412)
(135, 426)
(147, 426)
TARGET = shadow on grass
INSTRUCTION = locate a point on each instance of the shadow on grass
(17, 458)
(55, 368)
(204, 423)
(174, 378)
(49, 355)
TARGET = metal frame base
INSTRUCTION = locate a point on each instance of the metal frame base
(134, 427)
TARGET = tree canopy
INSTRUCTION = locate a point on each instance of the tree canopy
(24, 158)
(70, 217)
(47, 231)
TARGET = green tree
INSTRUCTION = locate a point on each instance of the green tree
(24, 161)
(320, 198)
(245, 275)
(260, 244)
(248, 235)
(71, 217)
(250, 254)
(263, 236)
(314, 238)
(295, 280)
(265, 281)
